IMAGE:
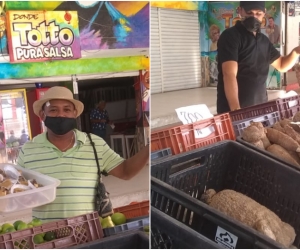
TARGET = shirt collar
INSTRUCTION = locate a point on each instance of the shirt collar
(42, 138)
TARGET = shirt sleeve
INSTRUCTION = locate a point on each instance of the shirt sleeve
(110, 159)
(92, 115)
(273, 53)
(228, 47)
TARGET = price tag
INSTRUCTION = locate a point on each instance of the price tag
(193, 113)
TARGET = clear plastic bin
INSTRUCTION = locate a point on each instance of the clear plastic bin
(30, 198)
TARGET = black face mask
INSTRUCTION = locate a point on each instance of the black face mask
(60, 125)
(252, 24)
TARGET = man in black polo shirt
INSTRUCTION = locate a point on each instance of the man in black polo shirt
(244, 56)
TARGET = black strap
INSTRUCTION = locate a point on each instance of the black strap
(96, 157)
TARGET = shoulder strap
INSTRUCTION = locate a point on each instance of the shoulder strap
(96, 157)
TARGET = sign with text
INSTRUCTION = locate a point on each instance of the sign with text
(193, 113)
(42, 35)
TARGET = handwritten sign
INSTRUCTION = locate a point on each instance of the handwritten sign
(191, 114)
(42, 35)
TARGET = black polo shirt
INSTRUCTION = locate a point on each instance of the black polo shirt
(253, 54)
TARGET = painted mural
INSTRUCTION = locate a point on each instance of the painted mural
(42, 35)
(222, 15)
(102, 25)
(181, 5)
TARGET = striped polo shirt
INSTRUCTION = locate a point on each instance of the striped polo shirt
(76, 169)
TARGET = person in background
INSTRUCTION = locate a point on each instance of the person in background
(66, 153)
(214, 34)
(273, 31)
(99, 118)
(24, 137)
(244, 56)
(12, 137)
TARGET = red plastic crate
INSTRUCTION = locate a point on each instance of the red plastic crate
(182, 138)
(254, 111)
(134, 210)
(71, 232)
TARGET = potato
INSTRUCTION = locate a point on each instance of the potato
(251, 134)
(296, 117)
(249, 212)
(258, 144)
(282, 139)
(278, 127)
(282, 154)
(292, 133)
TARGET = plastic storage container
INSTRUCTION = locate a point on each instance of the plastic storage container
(168, 233)
(128, 240)
(195, 135)
(69, 232)
(267, 120)
(30, 198)
(226, 165)
(132, 224)
(254, 111)
(239, 139)
(160, 153)
(289, 106)
(134, 210)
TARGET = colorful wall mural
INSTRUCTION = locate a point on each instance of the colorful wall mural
(102, 25)
(181, 5)
(42, 35)
(222, 15)
(72, 67)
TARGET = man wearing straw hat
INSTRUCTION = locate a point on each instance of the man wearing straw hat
(65, 153)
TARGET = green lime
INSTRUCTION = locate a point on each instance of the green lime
(9, 230)
(146, 228)
(5, 226)
(38, 239)
(118, 218)
(49, 236)
(22, 226)
(36, 222)
(30, 225)
(16, 224)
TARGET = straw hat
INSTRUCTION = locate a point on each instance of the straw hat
(61, 93)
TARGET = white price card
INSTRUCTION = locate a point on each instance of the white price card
(191, 114)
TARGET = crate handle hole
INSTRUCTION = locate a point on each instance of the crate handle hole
(200, 161)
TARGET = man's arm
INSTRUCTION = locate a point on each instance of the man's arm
(230, 69)
(284, 63)
(132, 166)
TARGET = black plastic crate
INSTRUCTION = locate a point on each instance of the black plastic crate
(239, 139)
(160, 153)
(226, 165)
(126, 240)
(168, 233)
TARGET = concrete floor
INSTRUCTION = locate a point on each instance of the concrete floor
(163, 105)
